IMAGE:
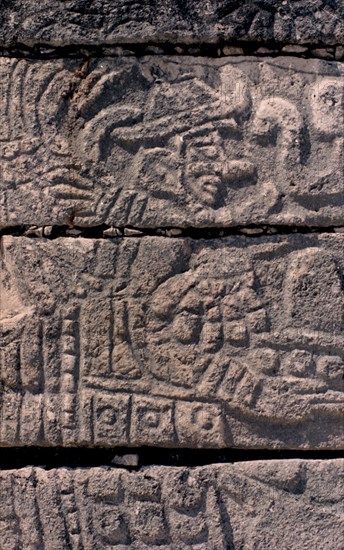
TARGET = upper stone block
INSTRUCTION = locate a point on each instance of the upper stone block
(168, 141)
(129, 21)
(173, 342)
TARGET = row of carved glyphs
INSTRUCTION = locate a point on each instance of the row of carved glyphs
(107, 509)
(198, 332)
(130, 139)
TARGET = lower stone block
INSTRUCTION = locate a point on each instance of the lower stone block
(294, 504)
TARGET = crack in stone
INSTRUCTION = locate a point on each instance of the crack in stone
(137, 458)
(214, 50)
(105, 231)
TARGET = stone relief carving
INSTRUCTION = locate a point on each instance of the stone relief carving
(129, 21)
(213, 506)
(169, 143)
(225, 343)
(236, 342)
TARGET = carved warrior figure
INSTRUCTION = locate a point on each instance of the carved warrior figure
(183, 145)
(211, 140)
(208, 143)
(199, 140)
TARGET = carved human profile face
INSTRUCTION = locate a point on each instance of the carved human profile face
(210, 171)
(186, 331)
(204, 164)
(202, 328)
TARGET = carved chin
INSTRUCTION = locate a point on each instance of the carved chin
(206, 189)
(209, 198)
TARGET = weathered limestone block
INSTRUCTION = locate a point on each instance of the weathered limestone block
(131, 21)
(277, 504)
(173, 342)
(170, 141)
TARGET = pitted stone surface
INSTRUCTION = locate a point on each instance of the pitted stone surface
(173, 342)
(276, 504)
(131, 21)
(172, 142)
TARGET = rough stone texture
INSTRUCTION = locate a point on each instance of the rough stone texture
(253, 505)
(173, 342)
(233, 342)
(172, 142)
(131, 21)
